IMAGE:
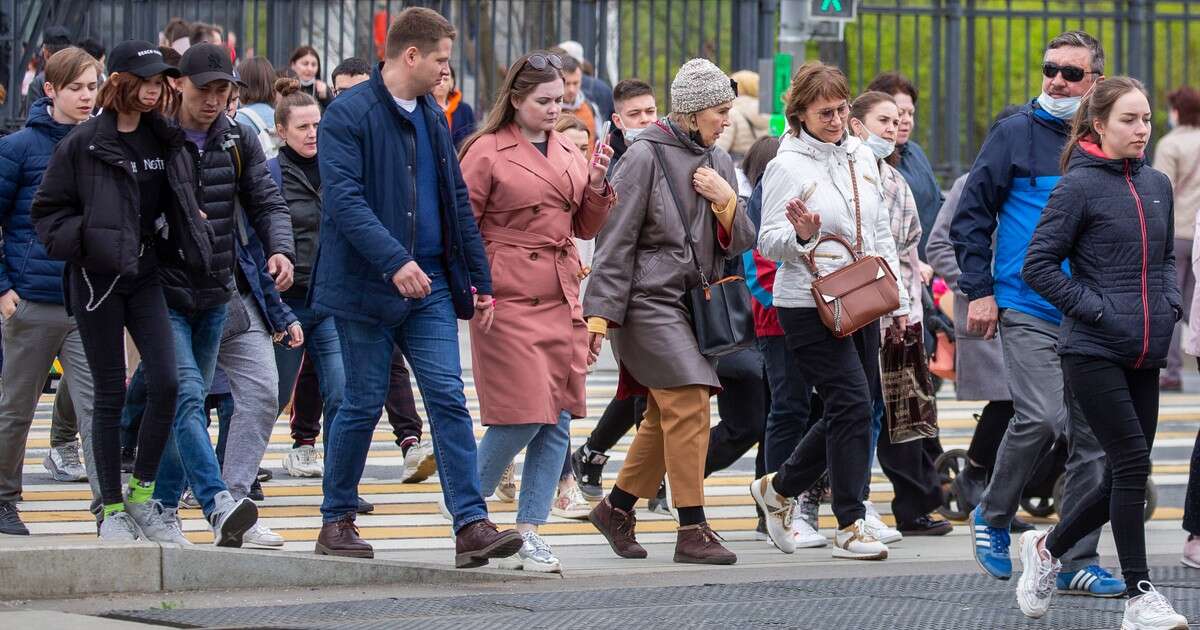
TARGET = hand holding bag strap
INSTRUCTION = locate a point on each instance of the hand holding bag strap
(687, 227)
(856, 252)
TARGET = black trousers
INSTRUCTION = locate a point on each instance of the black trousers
(618, 418)
(989, 432)
(1121, 406)
(910, 468)
(401, 406)
(845, 373)
(135, 304)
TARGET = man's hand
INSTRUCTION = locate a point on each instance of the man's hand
(485, 310)
(983, 317)
(282, 270)
(8, 303)
(295, 336)
(411, 281)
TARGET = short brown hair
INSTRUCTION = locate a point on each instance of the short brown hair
(258, 75)
(1185, 100)
(631, 88)
(67, 64)
(170, 56)
(893, 83)
(417, 26)
(120, 93)
(569, 121)
(177, 28)
(814, 80)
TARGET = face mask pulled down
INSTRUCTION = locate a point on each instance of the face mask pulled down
(880, 146)
(1061, 108)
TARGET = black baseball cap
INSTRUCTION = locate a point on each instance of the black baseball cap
(205, 63)
(140, 58)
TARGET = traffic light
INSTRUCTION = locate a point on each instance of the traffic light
(832, 9)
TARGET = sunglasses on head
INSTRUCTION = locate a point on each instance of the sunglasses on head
(1070, 73)
(539, 61)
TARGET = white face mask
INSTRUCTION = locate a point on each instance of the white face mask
(631, 134)
(1060, 108)
(880, 146)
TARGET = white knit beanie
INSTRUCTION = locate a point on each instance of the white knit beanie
(698, 85)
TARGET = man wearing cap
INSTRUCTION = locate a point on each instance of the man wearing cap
(232, 174)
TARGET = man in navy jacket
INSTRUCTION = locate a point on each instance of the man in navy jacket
(400, 257)
(1001, 204)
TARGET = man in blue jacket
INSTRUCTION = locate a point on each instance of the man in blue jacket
(400, 258)
(1001, 204)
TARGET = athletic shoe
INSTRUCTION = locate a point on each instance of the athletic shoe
(886, 535)
(188, 500)
(571, 504)
(659, 503)
(926, 526)
(64, 464)
(507, 490)
(256, 491)
(10, 520)
(805, 535)
(1190, 558)
(303, 461)
(419, 463)
(990, 547)
(231, 519)
(858, 542)
(1039, 573)
(262, 536)
(534, 555)
(150, 522)
(118, 527)
(364, 506)
(778, 511)
(264, 475)
(808, 506)
(588, 466)
(1093, 581)
(170, 517)
(1151, 611)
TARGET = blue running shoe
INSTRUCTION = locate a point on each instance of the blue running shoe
(1092, 581)
(991, 547)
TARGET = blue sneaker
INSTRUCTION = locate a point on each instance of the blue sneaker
(991, 547)
(1093, 581)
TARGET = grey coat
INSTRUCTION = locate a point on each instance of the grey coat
(979, 363)
(642, 267)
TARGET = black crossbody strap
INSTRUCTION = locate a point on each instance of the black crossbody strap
(687, 227)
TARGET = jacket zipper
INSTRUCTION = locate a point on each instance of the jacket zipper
(1145, 263)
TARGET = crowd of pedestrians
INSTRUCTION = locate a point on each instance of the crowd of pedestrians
(185, 233)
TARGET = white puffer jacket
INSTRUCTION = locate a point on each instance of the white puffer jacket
(801, 161)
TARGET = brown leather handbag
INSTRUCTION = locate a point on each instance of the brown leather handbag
(859, 293)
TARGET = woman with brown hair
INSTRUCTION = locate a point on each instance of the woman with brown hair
(532, 191)
(258, 96)
(306, 63)
(116, 202)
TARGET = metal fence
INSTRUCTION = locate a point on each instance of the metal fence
(969, 58)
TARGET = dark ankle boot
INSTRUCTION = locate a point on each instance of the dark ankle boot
(699, 544)
(474, 544)
(617, 525)
(340, 538)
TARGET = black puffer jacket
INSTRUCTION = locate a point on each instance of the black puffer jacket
(86, 210)
(304, 203)
(1114, 221)
(264, 207)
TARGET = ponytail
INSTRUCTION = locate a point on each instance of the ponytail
(1097, 103)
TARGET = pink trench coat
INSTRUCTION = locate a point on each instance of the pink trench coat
(532, 364)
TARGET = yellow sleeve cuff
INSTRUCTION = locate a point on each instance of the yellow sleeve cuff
(597, 325)
(729, 206)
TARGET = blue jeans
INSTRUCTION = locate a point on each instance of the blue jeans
(428, 337)
(223, 404)
(323, 349)
(135, 407)
(545, 444)
(189, 459)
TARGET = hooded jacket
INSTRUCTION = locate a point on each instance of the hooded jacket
(804, 160)
(24, 264)
(1113, 219)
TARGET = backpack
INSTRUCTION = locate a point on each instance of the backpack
(266, 133)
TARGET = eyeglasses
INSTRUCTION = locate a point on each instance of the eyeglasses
(842, 111)
(539, 61)
(1070, 73)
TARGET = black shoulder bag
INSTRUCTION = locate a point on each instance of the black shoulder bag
(720, 311)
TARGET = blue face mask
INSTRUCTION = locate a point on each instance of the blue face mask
(1061, 108)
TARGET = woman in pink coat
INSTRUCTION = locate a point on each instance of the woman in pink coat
(532, 191)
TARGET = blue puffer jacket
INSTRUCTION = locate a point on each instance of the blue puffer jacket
(1114, 220)
(368, 229)
(24, 265)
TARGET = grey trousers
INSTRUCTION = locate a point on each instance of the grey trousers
(64, 424)
(1041, 403)
(36, 334)
(248, 360)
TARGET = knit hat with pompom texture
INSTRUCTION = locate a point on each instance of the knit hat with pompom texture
(698, 85)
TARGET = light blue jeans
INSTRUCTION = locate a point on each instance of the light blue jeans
(545, 447)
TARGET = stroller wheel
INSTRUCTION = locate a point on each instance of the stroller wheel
(1151, 496)
(1040, 507)
(949, 465)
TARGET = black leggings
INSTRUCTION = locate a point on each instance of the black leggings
(1121, 407)
(989, 432)
(137, 304)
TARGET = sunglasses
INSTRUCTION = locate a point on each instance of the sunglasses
(539, 61)
(1070, 73)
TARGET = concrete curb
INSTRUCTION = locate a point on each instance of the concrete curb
(35, 569)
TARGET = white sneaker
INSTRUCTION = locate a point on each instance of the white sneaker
(778, 510)
(858, 542)
(419, 463)
(151, 522)
(1039, 575)
(805, 536)
(534, 555)
(64, 463)
(1151, 611)
(886, 535)
(303, 461)
(262, 536)
(571, 504)
(507, 490)
(231, 519)
(118, 527)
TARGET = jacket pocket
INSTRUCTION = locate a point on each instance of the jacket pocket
(643, 266)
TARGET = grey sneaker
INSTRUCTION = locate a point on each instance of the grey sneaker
(118, 527)
(149, 517)
(64, 463)
(230, 519)
(534, 555)
(170, 517)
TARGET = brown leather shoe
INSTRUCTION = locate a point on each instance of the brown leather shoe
(477, 542)
(340, 538)
(698, 544)
(617, 525)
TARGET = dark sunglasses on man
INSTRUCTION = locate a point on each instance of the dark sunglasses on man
(1070, 73)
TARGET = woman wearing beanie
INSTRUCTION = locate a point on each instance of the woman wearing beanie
(642, 271)
(825, 180)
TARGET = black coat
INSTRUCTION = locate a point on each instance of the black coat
(1114, 221)
(217, 188)
(304, 204)
(86, 210)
